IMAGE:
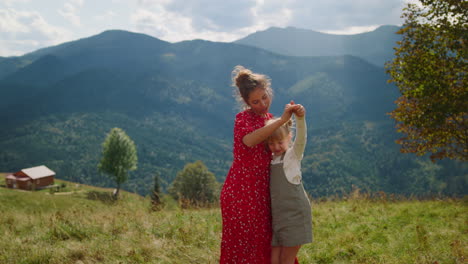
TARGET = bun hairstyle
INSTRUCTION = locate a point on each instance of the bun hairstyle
(246, 81)
(282, 131)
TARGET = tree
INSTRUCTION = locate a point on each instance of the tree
(118, 157)
(195, 185)
(430, 70)
(156, 194)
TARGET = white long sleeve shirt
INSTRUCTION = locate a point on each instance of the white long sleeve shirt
(293, 156)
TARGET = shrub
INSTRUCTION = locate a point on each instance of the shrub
(195, 185)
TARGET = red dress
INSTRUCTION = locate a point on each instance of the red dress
(245, 198)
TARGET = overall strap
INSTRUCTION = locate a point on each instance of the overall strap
(282, 156)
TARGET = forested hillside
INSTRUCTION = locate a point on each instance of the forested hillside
(175, 101)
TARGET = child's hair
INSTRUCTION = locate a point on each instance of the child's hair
(246, 81)
(281, 132)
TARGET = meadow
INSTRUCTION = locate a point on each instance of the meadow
(82, 224)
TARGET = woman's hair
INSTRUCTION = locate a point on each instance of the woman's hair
(282, 131)
(246, 81)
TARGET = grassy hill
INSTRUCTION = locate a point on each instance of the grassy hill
(82, 225)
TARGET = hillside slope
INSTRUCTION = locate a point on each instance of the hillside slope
(175, 101)
(85, 227)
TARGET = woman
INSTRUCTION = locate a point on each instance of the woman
(245, 197)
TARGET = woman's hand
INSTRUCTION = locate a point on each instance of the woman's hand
(288, 111)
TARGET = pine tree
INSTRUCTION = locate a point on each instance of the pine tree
(156, 201)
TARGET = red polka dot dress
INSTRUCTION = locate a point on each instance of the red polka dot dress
(245, 198)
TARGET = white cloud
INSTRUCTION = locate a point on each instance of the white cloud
(208, 19)
(106, 16)
(159, 21)
(9, 21)
(352, 30)
(174, 27)
(175, 20)
(214, 15)
(22, 31)
(345, 15)
(10, 3)
(70, 11)
(271, 14)
(28, 25)
(165, 25)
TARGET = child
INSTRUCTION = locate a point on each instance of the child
(291, 210)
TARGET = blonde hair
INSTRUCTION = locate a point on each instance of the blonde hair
(281, 132)
(246, 82)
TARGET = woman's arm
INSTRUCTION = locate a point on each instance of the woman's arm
(261, 134)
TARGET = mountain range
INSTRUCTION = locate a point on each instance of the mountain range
(175, 100)
(375, 46)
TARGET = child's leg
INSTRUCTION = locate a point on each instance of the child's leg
(275, 255)
(288, 254)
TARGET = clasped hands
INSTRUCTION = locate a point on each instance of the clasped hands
(289, 109)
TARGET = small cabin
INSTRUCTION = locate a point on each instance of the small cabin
(31, 178)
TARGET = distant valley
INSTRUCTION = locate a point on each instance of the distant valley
(175, 101)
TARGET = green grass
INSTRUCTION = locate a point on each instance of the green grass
(363, 231)
(85, 226)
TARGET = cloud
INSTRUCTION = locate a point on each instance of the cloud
(161, 23)
(106, 16)
(352, 30)
(338, 15)
(214, 15)
(10, 3)
(70, 11)
(273, 13)
(216, 20)
(37, 25)
(22, 30)
(157, 20)
(223, 16)
(208, 19)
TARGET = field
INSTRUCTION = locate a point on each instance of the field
(83, 225)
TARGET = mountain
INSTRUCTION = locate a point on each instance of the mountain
(175, 101)
(376, 46)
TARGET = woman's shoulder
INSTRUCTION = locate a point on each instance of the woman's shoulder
(248, 113)
(244, 114)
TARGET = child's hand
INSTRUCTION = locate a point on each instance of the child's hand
(299, 110)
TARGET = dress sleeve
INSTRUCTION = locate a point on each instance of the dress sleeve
(242, 127)
(301, 137)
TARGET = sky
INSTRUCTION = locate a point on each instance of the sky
(28, 25)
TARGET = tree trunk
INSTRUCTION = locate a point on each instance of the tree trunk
(115, 193)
